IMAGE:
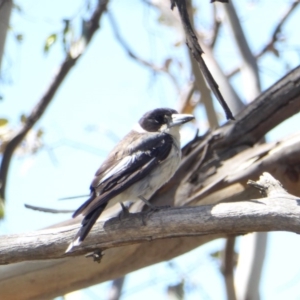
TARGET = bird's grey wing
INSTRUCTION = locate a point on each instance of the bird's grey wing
(121, 174)
(121, 158)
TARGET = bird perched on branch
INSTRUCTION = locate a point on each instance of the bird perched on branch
(145, 159)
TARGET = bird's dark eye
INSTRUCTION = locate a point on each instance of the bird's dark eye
(161, 119)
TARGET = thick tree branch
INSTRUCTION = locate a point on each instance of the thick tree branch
(91, 26)
(280, 211)
(279, 102)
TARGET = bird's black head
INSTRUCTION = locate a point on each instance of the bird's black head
(161, 119)
(153, 120)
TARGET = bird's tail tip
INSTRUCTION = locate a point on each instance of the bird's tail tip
(75, 243)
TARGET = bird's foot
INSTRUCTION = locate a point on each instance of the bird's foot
(124, 213)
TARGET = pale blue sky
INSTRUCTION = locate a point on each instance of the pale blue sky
(108, 91)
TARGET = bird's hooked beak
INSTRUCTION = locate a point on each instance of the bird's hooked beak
(179, 119)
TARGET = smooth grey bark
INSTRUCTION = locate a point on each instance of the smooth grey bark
(5, 11)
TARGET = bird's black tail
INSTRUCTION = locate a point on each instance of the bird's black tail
(86, 225)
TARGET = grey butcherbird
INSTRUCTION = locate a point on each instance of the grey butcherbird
(145, 159)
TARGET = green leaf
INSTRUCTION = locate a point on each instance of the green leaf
(19, 37)
(49, 42)
(216, 254)
(23, 118)
(66, 32)
(2, 208)
(3, 122)
(39, 133)
(66, 26)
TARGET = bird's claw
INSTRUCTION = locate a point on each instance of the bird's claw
(124, 213)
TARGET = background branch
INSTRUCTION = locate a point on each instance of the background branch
(270, 46)
(228, 264)
(91, 26)
(131, 54)
(248, 67)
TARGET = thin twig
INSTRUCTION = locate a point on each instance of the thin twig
(270, 45)
(131, 54)
(73, 197)
(192, 43)
(274, 37)
(200, 82)
(216, 28)
(49, 210)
